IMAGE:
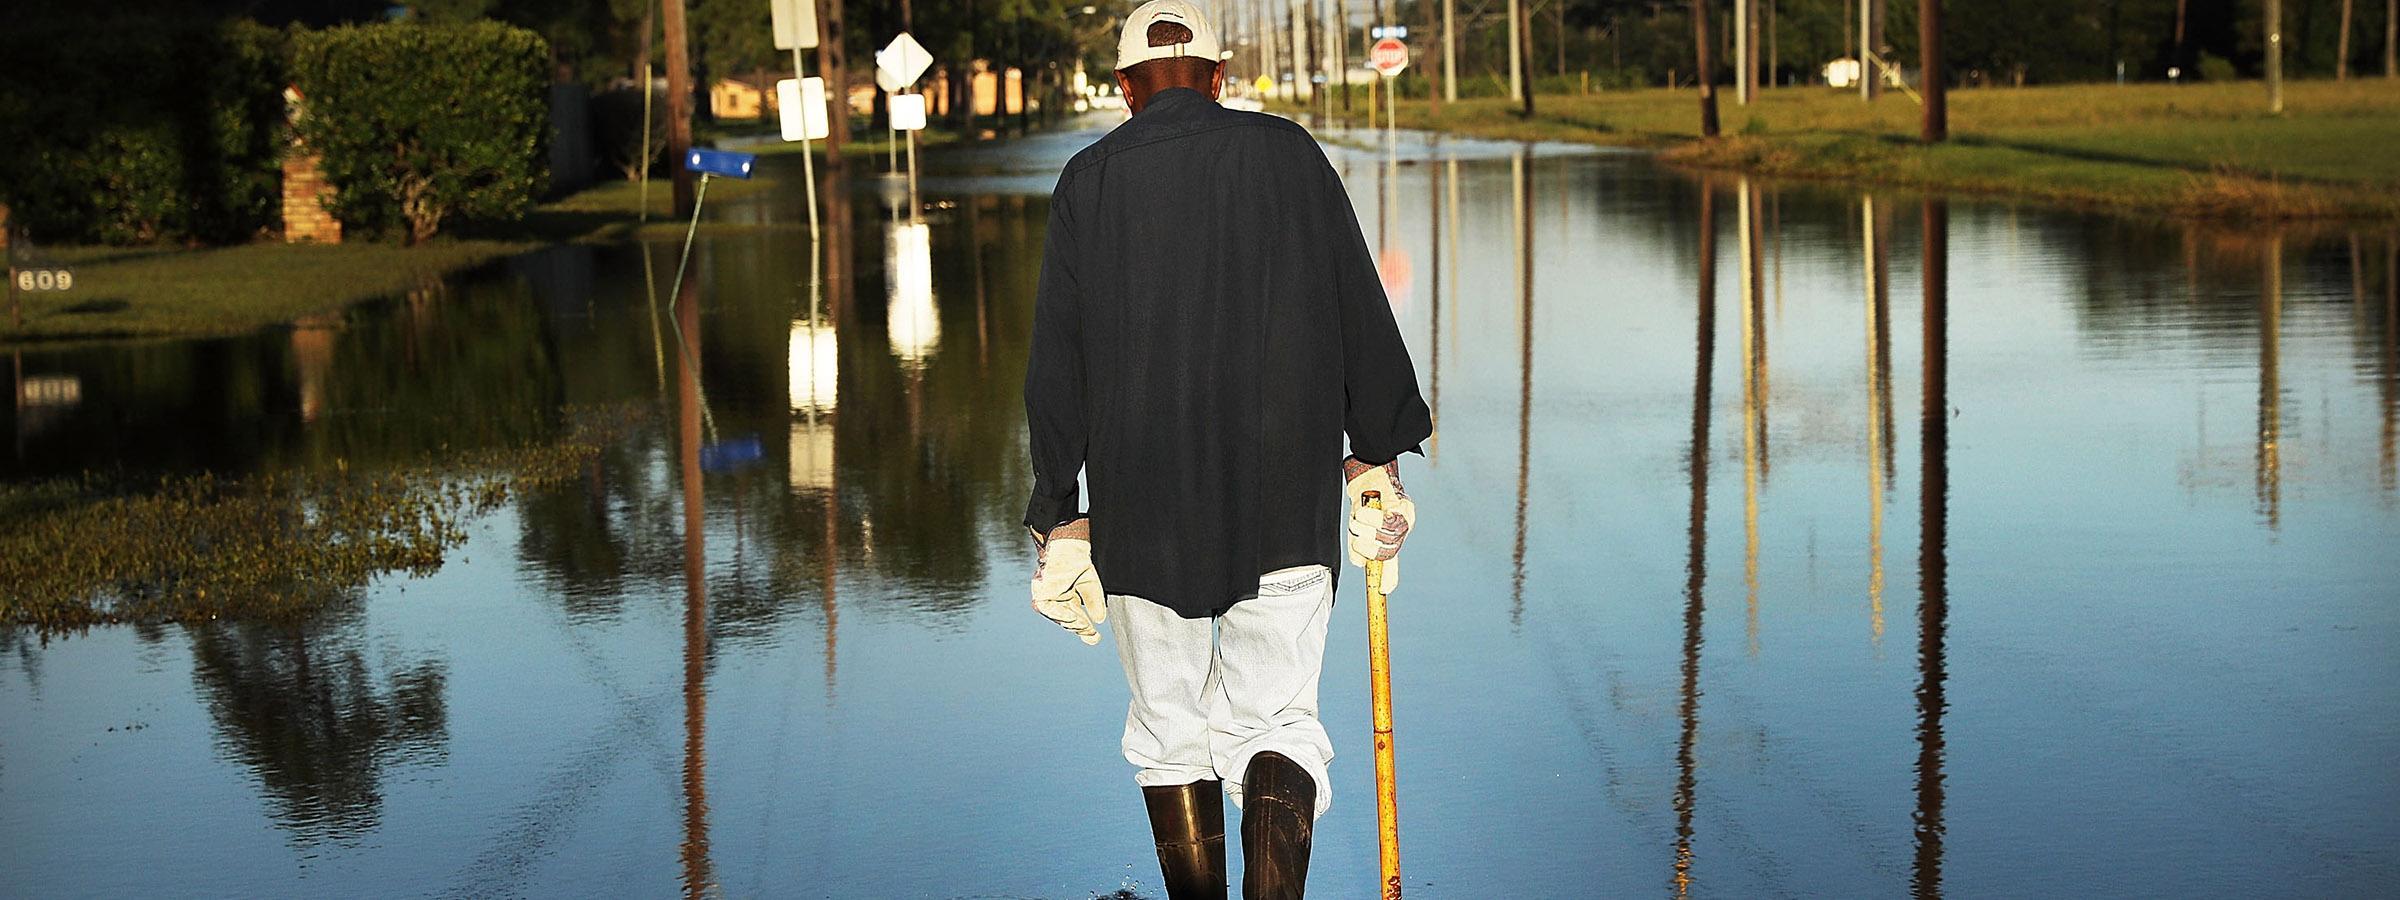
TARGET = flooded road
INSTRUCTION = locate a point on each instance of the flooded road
(1776, 540)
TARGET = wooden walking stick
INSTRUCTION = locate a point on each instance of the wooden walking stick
(1379, 671)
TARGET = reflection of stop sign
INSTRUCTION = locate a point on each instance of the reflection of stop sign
(1388, 56)
(1393, 270)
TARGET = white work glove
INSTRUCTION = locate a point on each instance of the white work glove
(1066, 589)
(1376, 534)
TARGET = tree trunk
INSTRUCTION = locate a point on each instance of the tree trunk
(1708, 88)
(1435, 84)
(833, 66)
(1525, 51)
(2341, 52)
(679, 104)
(641, 53)
(1750, 53)
(1930, 72)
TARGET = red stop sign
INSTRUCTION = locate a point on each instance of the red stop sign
(1388, 56)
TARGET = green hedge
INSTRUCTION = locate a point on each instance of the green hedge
(141, 129)
(418, 124)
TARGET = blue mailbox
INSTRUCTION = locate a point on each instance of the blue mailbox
(720, 162)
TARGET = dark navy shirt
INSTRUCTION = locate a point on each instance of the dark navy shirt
(1208, 330)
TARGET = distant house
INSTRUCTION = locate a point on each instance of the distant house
(742, 97)
(752, 97)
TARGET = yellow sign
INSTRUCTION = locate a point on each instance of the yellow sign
(1265, 85)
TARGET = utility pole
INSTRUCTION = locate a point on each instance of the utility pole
(2275, 56)
(1870, 44)
(1931, 73)
(679, 104)
(1516, 62)
(1450, 50)
(2391, 36)
(1708, 87)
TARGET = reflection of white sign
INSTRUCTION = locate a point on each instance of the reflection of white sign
(795, 23)
(811, 465)
(815, 376)
(913, 321)
(802, 103)
(908, 111)
(904, 58)
(815, 368)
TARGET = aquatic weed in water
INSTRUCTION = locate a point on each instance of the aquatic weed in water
(280, 544)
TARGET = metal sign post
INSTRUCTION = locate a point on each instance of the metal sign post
(1389, 56)
(903, 61)
(795, 26)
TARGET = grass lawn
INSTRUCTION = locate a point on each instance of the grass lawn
(2209, 150)
(170, 291)
(162, 291)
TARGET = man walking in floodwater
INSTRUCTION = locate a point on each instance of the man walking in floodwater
(1208, 328)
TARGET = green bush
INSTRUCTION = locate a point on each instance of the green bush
(145, 129)
(2216, 68)
(417, 123)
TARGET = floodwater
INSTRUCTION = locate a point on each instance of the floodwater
(1776, 540)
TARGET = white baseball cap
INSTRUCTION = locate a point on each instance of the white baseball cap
(1133, 46)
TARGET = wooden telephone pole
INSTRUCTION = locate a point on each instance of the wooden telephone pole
(679, 104)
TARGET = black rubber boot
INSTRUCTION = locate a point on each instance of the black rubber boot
(1279, 815)
(1188, 821)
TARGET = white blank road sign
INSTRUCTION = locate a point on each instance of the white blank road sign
(795, 23)
(908, 112)
(802, 103)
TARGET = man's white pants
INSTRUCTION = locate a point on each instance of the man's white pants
(1208, 694)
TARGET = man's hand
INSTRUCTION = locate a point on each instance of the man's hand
(1376, 534)
(1066, 589)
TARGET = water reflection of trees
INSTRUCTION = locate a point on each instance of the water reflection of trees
(434, 371)
(927, 462)
(300, 706)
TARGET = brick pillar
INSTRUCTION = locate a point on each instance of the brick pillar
(304, 196)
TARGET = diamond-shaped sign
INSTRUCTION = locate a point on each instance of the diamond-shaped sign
(904, 58)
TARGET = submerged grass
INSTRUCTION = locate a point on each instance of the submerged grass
(2208, 150)
(81, 553)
